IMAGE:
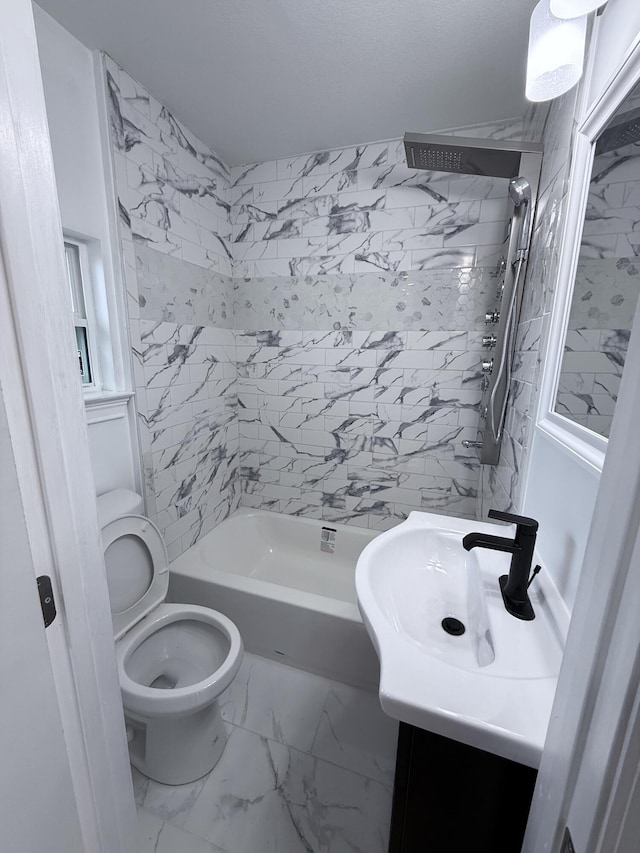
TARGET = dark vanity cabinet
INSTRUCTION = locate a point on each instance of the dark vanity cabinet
(452, 798)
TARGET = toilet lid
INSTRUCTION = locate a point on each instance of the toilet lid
(137, 569)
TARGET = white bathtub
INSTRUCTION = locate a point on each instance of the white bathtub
(291, 600)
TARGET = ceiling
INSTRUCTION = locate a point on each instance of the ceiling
(262, 79)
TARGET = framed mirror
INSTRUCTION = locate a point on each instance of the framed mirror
(607, 278)
(598, 283)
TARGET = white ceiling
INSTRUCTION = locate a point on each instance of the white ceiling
(261, 79)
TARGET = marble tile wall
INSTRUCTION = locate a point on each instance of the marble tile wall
(423, 300)
(188, 419)
(176, 291)
(338, 297)
(359, 427)
(385, 274)
(361, 209)
(172, 194)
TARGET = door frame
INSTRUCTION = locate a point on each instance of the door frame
(45, 410)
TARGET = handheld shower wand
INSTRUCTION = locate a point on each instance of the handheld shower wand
(520, 194)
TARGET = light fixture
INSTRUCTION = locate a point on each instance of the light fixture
(574, 8)
(556, 53)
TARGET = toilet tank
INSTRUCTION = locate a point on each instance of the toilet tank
(119, 502)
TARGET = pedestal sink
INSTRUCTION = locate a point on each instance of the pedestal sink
(452, 660)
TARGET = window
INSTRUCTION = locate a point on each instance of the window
(77, 265)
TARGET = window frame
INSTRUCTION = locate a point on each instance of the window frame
(81, 286)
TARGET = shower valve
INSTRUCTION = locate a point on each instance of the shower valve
(492, 317)
(487, 366)
(489, 341)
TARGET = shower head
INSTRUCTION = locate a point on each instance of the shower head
(625, 132)
(519, 191)
(465, 155)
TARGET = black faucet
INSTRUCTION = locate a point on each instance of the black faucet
(514, 586)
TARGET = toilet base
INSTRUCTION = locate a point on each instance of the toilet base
(176, 750)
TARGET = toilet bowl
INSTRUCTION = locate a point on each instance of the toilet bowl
(174, 660)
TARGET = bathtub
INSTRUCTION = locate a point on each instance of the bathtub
(289, 585)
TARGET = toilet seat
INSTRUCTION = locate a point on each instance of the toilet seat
(146, 700)
(137, 573)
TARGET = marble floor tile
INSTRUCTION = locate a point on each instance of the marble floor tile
(308, 768)
(355, 733)
(140, 785)
(157, 836)
(168, 802)
(264, 796)
(337, 811)
(276, 701)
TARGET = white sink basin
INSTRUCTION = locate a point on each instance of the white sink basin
(491, 686)
(424, 576)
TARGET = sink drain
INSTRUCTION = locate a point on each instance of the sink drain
(453, 626)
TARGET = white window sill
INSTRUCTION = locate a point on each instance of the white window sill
(107, 406)
(96, 398)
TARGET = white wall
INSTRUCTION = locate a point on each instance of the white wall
(84, 196)
(113, 447)
(72, 111)
(561, 494)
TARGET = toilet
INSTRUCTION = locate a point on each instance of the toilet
(174, 660)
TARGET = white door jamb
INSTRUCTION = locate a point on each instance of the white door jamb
(45, 410)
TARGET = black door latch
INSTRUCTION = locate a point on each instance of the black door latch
(47, 602)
